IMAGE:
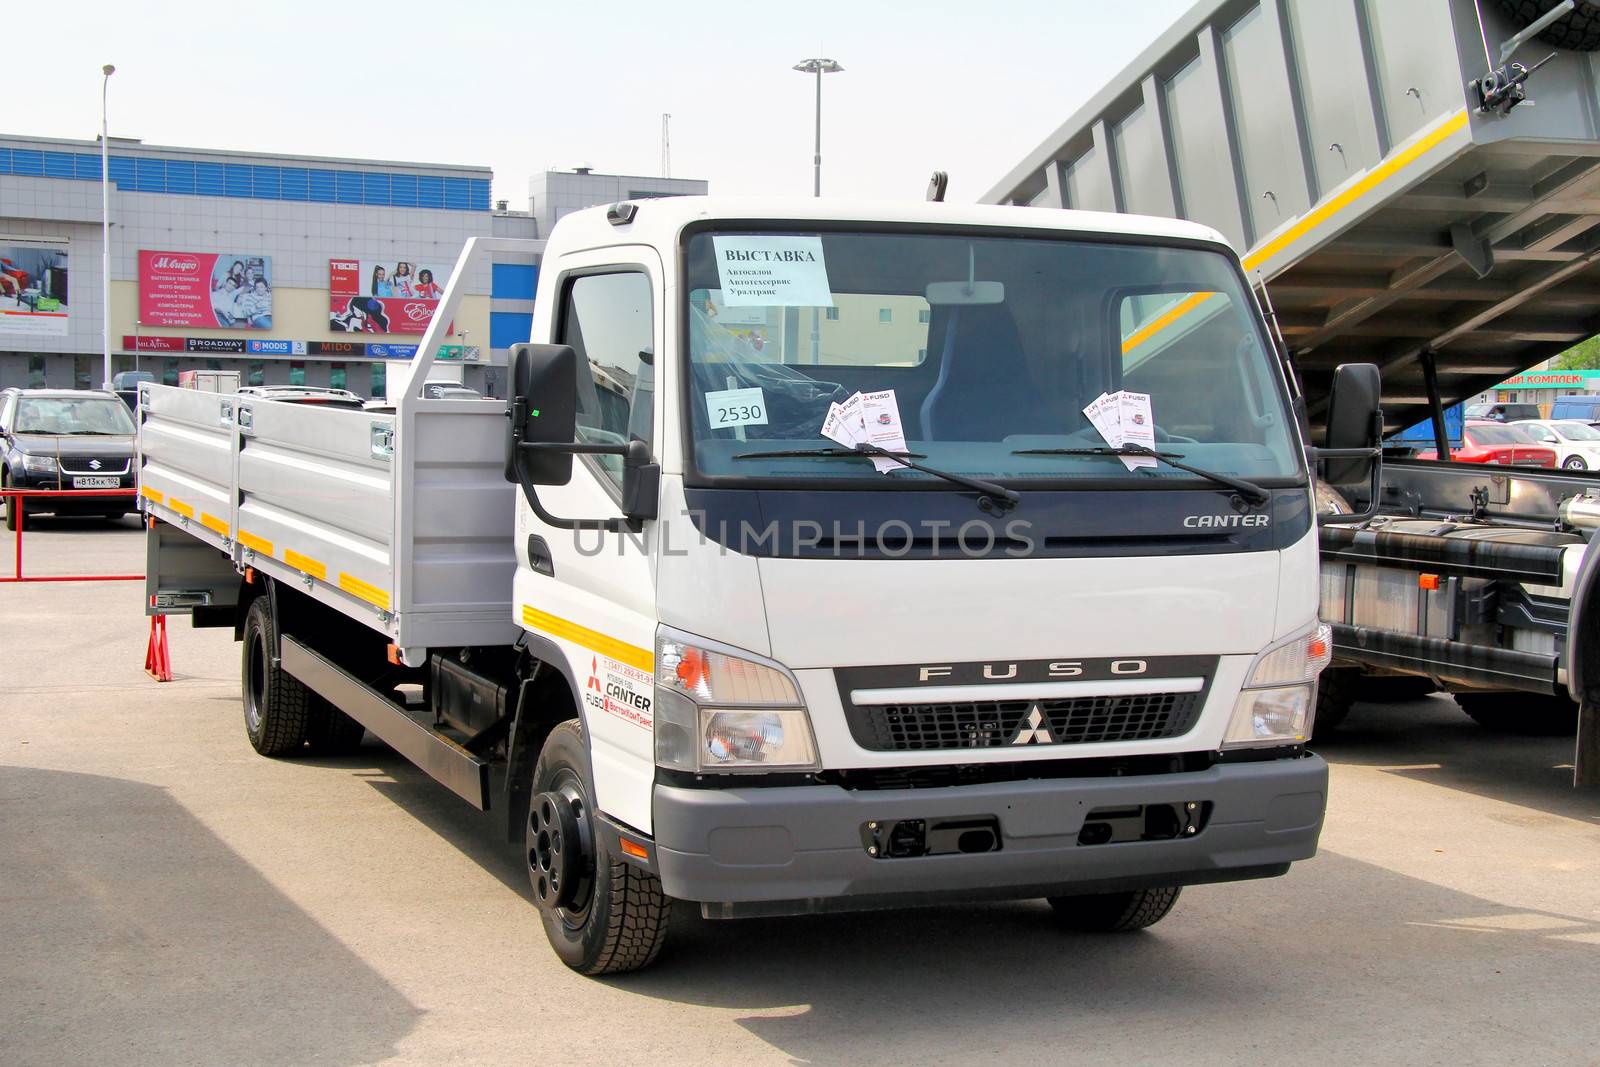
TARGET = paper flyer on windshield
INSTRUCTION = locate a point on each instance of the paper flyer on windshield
(1125, 418)
(868, 418)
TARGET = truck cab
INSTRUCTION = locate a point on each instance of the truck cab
(812, 676)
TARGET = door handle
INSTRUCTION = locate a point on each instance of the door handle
(539, 557)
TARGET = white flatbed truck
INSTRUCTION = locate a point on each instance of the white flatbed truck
(714, 656)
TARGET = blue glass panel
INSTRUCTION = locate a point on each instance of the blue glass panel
(513, 281)
(236, 179)
(507, 328)
(430, 192)
(150, 175)
(180, 176)
(5, 161)
(57, 165)
(85, 167)
(403, 190)
(375, 189)
(293, 181)
(347, 187)
(456, 195)
(121, 168)
(264, 184)
(208, 179)
(322, 186)
(27, 161)
(480, 194)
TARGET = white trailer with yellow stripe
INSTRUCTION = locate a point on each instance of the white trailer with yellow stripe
(827, 555)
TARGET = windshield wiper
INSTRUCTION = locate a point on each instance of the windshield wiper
(1006, 498)
(1249, 490)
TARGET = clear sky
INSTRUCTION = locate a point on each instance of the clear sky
(524, 86)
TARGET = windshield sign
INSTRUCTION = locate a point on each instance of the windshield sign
(993, 353)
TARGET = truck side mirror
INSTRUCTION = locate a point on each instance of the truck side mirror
(544, 411)
(1355, 423)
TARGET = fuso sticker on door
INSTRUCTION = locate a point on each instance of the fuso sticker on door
(736, 407)
(773, 271)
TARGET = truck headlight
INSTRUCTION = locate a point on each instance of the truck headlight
(39, 464)
(1275, 707)
(717, 710)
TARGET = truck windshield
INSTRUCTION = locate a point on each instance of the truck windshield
(977, 354)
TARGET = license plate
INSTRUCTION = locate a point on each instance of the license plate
(102, 482)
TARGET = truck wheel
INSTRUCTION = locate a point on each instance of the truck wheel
(601, 914)
(329, 731)
(1575, 463)
(1115, 913)
(1532, 714)
(1579, 31)
(1336, 692)
(13, 504)
(276, 704)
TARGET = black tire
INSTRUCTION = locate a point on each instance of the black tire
(1579, 31)
(329, 731)
(1530, 714)
(1336, 692)
(276, 704)
(1115, 913)
(1574, 463)
(616, 920)
(13, 504)
(1386, 688)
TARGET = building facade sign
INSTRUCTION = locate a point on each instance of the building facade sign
(384, 296)
(33, 288)
(209, 290)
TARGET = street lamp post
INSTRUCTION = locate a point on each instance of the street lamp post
(819, 67)
(105, 218)
(136, 327)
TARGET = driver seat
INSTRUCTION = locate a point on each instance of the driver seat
(984, 391)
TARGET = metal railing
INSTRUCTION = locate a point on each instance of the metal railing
(14, 498)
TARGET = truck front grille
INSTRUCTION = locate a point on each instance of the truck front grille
(997, 723)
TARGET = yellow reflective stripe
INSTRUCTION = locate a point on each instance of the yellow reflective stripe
(257, 544)
(1358, 189)
(1178, 310)
(314, 567)
(180, 507)
(150, 494)
(211, 522)
(1314, 218)
(594, 640)
(365, 590)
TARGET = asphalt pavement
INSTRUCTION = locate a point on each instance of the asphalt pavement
(169, 897)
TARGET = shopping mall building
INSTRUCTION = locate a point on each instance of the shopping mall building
(287, 269)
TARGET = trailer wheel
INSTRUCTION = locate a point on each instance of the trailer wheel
(601, 914)
(1531, 714)
(1579, 31)
(276, 704)
(1336, 692)
(1115, 913)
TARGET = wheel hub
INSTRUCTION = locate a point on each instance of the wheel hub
(560, 863)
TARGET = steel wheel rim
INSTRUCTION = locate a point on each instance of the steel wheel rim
(560, 850)
(255, 683)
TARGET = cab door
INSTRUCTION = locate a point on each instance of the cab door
(587, 597)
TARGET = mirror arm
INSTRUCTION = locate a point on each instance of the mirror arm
(628, 523)
(1315, 454)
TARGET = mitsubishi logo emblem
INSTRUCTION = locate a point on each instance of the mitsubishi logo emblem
(94, 464)
(1035, 729)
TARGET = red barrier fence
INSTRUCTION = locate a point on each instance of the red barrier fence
(14, 496)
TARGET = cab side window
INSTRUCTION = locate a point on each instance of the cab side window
(607, 319)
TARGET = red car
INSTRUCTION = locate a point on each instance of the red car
(1493, 442)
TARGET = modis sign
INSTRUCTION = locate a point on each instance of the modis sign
(210, 290)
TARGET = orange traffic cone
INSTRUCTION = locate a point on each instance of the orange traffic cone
(157, 660)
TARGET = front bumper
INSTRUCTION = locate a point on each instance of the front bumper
(802, 848)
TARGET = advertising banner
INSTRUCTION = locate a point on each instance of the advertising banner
(33, 288)
(384, 296)
(226, 290)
